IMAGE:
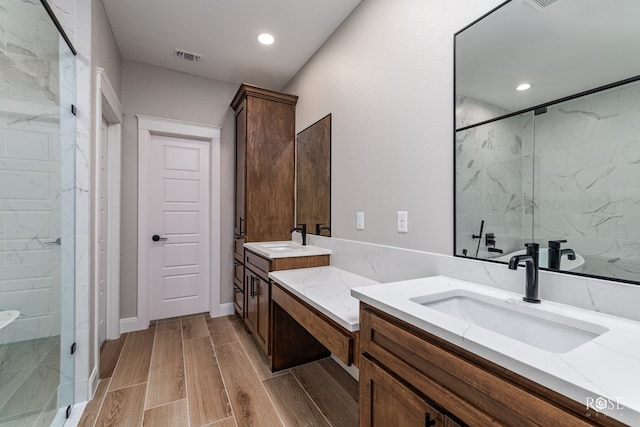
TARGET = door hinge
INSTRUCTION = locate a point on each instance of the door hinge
(68, 414)
(539, 111)
(73, 348)
(73, 109)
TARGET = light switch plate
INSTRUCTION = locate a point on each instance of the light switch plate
(403, 224)
(359, 220)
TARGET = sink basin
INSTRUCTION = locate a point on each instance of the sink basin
(552, 332)
(285, 249)
(281, 246)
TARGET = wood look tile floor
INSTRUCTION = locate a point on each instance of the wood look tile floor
(196, 371)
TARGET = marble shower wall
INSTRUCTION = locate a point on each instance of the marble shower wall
(493, 162)
(587, 180)
(31, 159)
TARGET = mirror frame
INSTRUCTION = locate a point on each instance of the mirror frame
(540, 107)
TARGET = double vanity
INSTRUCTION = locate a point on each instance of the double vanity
(446, 352)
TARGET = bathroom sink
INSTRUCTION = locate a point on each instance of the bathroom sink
(281, 246)
(285, 249)
(514, 319)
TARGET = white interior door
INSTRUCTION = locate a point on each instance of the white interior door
(103, 183)
(179, 217)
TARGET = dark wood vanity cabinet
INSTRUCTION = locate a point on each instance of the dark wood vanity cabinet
(265, 175)
(257, 312)
(416, 379)
(265, 164)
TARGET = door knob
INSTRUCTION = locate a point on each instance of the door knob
(156, 238)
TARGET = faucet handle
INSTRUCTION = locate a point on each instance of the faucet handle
(555, 244)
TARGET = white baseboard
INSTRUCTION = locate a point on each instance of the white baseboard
(129, 324)
(223, 310)
(93, 383)
(351, 369)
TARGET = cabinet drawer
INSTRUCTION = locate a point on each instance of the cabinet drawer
(238, 271)
(238, 298)
(335, 338)
(238, 248)
(260, 266)
(474, 389)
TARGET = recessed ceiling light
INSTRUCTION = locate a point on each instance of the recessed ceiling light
(523, 86)
(265, 38)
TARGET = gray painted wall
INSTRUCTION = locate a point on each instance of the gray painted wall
(160, 92)
(386, 75)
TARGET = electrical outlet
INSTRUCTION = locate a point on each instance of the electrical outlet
(403, 225)
(359, 220)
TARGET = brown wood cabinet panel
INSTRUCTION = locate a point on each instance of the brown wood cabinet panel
(474, 390)
(258, 264)
(263, 331)
(299, 262)
(238, 249)
(265, 163)
(385, 401)
(238, 298)
(257, 296)
(251, 302)
(238, 271)
(241, 149)
(333, 336)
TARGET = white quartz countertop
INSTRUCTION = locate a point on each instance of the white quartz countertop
(285, 249)
(327, 289)
(603, 373)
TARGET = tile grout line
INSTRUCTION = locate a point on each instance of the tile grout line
(311, 398)
(146, 389)
(184, 373)
(226, 389)
(115, 368)
(102, 401)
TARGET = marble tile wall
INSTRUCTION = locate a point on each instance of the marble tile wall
(23, 40)
(388, 264)
(587, 180)
(491, 161)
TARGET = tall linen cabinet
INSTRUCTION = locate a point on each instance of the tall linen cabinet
(265, 173)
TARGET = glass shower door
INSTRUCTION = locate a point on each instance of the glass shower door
(37, 227)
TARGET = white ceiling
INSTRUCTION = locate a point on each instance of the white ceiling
(225, 33)
(566, 48)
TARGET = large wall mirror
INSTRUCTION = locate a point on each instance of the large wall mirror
(313, 177)
(558, 162)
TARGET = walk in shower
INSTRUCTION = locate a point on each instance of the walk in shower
(37, 241)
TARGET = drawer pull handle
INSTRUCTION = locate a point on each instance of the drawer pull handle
(253, 287)
(428, 422)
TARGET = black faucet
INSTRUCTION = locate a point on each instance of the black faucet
(302, 228)
(555, 253)
(531, 263)
(320, 227)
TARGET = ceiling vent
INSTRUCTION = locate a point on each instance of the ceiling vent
(188, 56)
(541, 4)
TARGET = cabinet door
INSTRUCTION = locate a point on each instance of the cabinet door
(384, 401)
(251, 297)
(264, 298)
(241, 150)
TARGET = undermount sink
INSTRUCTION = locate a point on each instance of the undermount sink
(281, 246)
(552, 332)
